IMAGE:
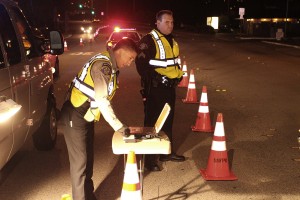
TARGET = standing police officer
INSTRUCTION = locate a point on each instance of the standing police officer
(157, 64)
(89, 96)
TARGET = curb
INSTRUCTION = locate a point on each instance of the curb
(281, 44)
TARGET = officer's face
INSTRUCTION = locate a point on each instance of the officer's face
(125, 58)
(165, 25)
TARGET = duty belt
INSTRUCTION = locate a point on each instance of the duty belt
(160, 80)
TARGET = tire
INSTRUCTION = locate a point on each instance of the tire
(44, 138)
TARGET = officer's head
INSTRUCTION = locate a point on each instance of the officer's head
(125, 52)
(164, 21)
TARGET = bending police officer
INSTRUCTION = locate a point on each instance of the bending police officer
(89, 96)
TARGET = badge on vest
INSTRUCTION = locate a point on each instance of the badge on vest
(106, 69)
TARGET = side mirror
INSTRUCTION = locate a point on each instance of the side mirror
(56, 43)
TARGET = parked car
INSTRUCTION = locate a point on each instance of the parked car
(27, 101)
(102, 31)
(118, 34)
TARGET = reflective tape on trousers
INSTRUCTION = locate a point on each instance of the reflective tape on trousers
(218, 146)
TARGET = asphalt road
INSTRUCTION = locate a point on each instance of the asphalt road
(255, 86)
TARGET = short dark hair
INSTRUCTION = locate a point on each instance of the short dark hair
(160, 13)
(126, 43)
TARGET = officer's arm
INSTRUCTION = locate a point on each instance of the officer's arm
(99, 76)
(147, 51)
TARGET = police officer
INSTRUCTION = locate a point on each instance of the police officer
(89, 96)
(157, 64)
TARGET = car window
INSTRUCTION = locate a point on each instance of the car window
(119, 35)
(24, 31)
(9, 38)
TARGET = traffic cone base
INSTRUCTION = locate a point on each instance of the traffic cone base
(189, 101)
(207, 177)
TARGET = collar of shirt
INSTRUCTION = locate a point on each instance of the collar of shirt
(168, 37)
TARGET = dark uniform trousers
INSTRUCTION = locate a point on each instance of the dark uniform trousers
(155, 101)
(79, 137)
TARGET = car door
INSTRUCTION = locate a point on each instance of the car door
(19, 77)
(6, 136)
(37, 69)
(12, 82)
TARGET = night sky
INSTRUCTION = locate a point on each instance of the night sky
(188, 12)
(195, 10)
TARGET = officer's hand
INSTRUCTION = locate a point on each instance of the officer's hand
(125, 131)
(180, 79)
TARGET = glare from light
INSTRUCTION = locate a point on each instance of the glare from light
(8, 108)
(117, 29)
(213, 22)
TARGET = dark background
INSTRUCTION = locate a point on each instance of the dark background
(41, 13)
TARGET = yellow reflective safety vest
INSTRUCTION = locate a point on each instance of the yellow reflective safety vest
(83, 87)
(166, 58)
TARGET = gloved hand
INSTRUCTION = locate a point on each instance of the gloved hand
(125, 131)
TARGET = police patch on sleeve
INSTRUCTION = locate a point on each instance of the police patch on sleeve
(106, 69)
(143, 46)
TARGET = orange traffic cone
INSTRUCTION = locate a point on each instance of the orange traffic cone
(91, 40)
(218, 166)
(203, 118)
(66, 46)
(131, 185)
(191, 95)
(185, 78)
(81, 42)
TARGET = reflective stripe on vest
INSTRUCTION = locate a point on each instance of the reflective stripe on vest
(162, 61)
(85, 88)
